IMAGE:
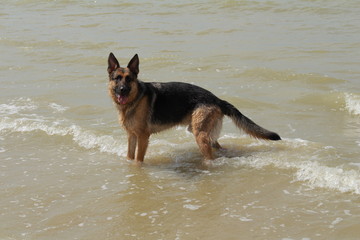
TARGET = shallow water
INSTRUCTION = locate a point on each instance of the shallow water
(292, 67)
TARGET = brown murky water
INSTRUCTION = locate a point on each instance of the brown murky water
(292, 67)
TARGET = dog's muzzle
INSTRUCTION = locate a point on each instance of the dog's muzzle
(122, 94)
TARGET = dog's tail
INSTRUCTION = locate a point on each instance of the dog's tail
(241, 121)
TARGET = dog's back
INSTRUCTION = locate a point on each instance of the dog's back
(173, 102)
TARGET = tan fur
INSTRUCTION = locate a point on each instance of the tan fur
(155, 128)
(206, 125)
(132, 119)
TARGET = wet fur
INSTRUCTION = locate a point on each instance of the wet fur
(150, 107)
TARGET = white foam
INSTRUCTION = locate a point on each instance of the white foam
(352, 103)
(17, 105)
(26, 105)
(334, 178)
(86, 139)
(28, 121)
(192, 207)
(307, 164)
(58, 107)
(317, 175)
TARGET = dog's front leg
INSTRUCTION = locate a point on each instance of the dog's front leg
(132, 140)
(143, 141)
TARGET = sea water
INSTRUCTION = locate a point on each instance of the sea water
(291, 66)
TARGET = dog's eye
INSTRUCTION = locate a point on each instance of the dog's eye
(115, 78)
(128, 79)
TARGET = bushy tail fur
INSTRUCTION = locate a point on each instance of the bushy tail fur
(246, 124)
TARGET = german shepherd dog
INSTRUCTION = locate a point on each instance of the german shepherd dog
(150, 107)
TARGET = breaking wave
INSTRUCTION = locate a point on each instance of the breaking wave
(309, 161)
(81, 137)
(352, 103)
(26, 121)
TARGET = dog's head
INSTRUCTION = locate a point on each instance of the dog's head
(123, 83)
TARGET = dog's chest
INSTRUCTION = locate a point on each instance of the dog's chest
(129, 119)
(135, 119)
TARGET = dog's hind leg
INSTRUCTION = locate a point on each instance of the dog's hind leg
(202, 139)
(205, 122)
(215, 132)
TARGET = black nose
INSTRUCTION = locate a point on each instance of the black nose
(123, 90)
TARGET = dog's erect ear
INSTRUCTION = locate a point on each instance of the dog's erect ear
(134, 65)
(112, 63)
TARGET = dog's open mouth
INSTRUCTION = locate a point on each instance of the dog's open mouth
(121, 99)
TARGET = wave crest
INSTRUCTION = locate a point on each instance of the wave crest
(352, 103)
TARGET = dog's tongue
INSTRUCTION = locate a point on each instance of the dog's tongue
(122, 99)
